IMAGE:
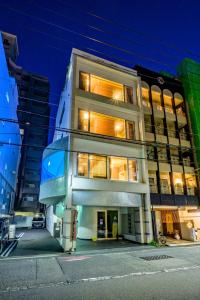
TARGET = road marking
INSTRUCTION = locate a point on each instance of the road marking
(75, 258)
(94, 279)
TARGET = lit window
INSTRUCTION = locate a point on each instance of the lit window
(178, 183)
(84, 120)
(83, 165)
(118, 168)
(98, 166)
(106, 125)
(104, 87)
(191, 184)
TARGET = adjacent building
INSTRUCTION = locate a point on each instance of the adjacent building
(9, 137)
(95, 176)
(33, 116)
(171, 159)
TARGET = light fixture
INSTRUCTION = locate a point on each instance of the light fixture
(118, 126)
(86, 115)
(178, 181)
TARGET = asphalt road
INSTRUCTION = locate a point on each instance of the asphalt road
(104, 275)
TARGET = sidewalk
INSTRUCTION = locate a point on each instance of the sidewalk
(36, 242)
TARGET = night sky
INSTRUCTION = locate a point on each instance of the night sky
(154, 34)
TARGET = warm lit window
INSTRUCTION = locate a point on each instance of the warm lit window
(145, 97)
(95, 166)
(178, 183)
(100, 86)
(191, 184)
(98, 166)
(83, 165)
(118, 168)
(156, 97)
(105, 125)
(167, 97)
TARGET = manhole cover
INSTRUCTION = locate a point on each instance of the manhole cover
(156, 257)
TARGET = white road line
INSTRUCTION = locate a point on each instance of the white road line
(94, 279)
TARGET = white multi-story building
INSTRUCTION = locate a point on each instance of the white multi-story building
(95, 176)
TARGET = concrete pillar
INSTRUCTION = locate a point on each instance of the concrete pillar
(141, 218)
(69, 230)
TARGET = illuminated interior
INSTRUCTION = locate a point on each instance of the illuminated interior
(98, 166)
(83, 165)
(105, 125)
(165, 183)
(178, 183)
(145, 97)
(104, 87)
(168, 102)
(118, 168)
(156, 96)
(95, 166)
(178, 100)
(191, 183)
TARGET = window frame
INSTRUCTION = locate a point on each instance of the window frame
(125, 121)
(108, 168)
(124, 86)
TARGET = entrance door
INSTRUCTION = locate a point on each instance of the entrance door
(101, 224)
(107, 224)
(112, 223)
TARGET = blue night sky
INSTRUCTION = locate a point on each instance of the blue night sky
(156, 34)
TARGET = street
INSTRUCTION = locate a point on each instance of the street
(135, 273)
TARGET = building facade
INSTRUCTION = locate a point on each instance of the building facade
(171, 159)
(9, 137)
(95, 177)
(33, 115)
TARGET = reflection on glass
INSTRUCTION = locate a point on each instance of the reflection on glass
(105, 125)
(165, 183)
(132, 165)
(83, 165)
(118, 168)
(83, 120)
(98, 166)
(178, 183)
(191, 184)
(104, 87)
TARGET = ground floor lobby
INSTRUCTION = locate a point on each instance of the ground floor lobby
(179, 224)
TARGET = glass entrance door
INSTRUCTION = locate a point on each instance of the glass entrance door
(112, 224)
(101, 225)
(107, 224)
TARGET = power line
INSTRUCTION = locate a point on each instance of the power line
(89, 134)
(129, 29)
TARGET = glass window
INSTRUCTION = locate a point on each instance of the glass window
(191, 184)
(130, 129)
(118, 168)
(165, 183)
(83, 165)
(162, 154)
(98, 166)
(132, 166)
(84, 83)
(84, 120)
(106, 88)
(178, 183)
(53, 166)
(153, 181)
(148, 123)
(174, 156)
(128, 94)
(171, 129)
(106, 125)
